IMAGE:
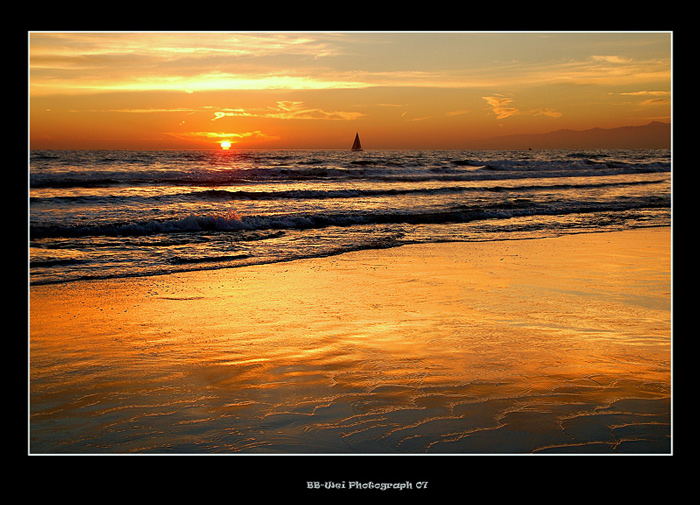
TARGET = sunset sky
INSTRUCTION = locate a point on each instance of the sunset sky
(275, 90)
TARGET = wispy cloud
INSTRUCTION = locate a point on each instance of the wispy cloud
(72, 63)
(146, 48)
(192, 61)
(288, 110)
(405, 116)
(499, 105)
(75, 63)
(607, 70)
(610, 59)
(457, 112)
(646, 93)
(148, 110)
(233, 137)
(657, 97)
(656, 101)
(546, 111)
(189, 84)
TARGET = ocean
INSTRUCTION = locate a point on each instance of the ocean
(107, 214)
(544, 346)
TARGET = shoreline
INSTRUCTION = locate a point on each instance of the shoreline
(520, 346)
(117, 277)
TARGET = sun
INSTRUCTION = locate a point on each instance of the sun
(225, 144)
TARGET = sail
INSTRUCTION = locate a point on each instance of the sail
(356, 145)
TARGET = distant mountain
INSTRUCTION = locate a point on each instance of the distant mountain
(655, 135)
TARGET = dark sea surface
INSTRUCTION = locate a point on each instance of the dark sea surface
(105, 214)
(548, 353)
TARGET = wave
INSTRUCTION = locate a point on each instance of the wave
(193, 172)
(233, 222)
(54, 262)
(125, 213)
(363, 193)
(242, 177)
(185, 260)
(324, 194)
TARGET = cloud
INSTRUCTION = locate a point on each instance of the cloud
(658, 97)
(405, 116)
(656, 101)
(233, 137)
(106, 62)
(141, 48)
(191, 83)
(423, 118)
(610, 59)
(610, 70)
(150, 110)
(646, 93)
(500, 106)
(546, 111)
(74, 63)
(288, 110)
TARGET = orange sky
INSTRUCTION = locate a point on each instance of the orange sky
(162, 90)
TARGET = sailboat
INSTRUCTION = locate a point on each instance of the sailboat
(356, 145)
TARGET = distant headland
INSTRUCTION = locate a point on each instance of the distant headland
(654, 135)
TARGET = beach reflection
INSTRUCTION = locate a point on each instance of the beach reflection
(419, 352)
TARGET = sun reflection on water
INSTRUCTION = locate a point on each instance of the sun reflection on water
(308, 358)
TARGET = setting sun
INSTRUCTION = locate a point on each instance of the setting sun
(226, 144)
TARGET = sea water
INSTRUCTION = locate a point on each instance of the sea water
(105, 214)
(263, 361)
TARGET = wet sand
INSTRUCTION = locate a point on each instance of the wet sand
(559, 345)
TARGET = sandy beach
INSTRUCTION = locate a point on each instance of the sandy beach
(556, 345)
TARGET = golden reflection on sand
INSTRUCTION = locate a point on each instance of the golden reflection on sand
(480, 347)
